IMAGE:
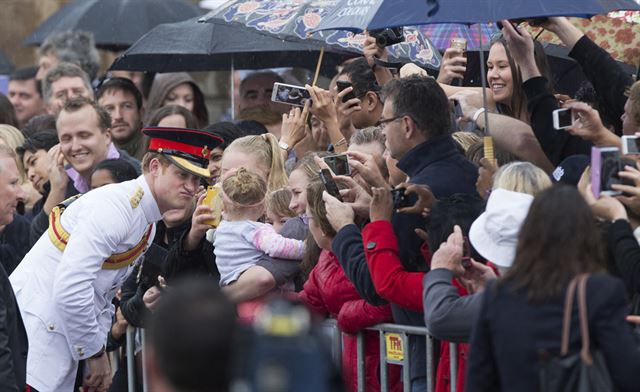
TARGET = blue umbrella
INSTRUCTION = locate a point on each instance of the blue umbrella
(360, 15)
(296, 18)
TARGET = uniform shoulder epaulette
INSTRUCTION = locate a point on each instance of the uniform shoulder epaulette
(137, 196)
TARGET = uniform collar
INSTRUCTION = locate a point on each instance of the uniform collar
(148, 202)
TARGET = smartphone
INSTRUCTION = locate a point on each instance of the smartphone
(605, 165)
(630, 145)
(343, 84)
(213, 199)
(400, 199)
(329, 184)
(289, 94)
(466, 254)
(563, 118)
(339, 164)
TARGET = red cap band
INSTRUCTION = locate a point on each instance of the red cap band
(156, 144)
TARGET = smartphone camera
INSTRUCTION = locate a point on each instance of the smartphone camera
(289, 94)
(400, 199)
(339, 164)
(563, 118)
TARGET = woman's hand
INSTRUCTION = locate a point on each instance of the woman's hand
(588, 125)
(454, 66)
(366, 168)
(202, 213)
(381, 207)
(605, 207)
(322, 104)
(339, 214)
(631, 196)
(58, 178)
(294, 125)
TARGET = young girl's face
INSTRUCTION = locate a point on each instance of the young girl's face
(499, 75)
(100, 178)
(277, 221)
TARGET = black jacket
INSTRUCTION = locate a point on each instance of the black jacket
(510, 333)
(13, 340)
(626, 255)
(14, 243)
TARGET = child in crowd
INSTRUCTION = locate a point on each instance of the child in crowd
(112, 171)
(278, 211)
(240, 241)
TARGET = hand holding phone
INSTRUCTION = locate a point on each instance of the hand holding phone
(213, 199)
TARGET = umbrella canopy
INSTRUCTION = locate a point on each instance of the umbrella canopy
(115, 24)
(440, 34)
(218, 45)
(376, 14)
(616, 35)
(296, 18)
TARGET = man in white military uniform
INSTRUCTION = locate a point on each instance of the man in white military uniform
(65, 284)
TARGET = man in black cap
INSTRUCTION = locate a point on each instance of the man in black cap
(65, 284)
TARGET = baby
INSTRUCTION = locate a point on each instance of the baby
(240, 241)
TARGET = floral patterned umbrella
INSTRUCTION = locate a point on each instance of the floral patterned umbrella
(618, 33)
(440, 34)
(287, 18)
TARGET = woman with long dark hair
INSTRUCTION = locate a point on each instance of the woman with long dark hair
(521, 317)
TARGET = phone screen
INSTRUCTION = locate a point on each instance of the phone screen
(289, 94)
(610, 166)
(565, 119)
(632, 144)
(339, 164)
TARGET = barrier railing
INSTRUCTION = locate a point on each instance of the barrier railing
(394, 349)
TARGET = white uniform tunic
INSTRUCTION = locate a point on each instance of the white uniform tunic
(65, 296)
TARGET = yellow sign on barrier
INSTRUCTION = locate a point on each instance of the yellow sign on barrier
(395, 347)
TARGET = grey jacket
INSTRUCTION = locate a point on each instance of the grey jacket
(447, 314)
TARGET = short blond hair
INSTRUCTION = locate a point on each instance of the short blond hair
(244, 188)
(523, 177)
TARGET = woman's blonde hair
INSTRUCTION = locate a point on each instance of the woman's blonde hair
(523, 177)
(244, 188)
(278, 202)
(265, 148)
(465, 139)
(13, 138)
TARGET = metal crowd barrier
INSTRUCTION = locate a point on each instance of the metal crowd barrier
(394, 349)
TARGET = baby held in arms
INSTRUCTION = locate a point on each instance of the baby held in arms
(240, 240)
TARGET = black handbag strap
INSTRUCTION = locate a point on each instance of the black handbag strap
(579, 284)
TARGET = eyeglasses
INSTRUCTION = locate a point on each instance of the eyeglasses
(384, 121)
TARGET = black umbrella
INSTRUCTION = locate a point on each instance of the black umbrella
(5, 64)
(217, 45)
(115, 24)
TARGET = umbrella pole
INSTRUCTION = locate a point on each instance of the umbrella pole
(488, 141)
(315, 76)
(233, 91)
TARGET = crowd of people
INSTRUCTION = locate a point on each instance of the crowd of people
(103, 181)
